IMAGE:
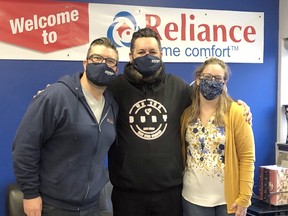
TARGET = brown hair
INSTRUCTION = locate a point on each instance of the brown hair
(192, 112)
(224, 101)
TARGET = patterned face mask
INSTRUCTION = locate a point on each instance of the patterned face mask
(210, 89)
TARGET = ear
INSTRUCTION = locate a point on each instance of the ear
(116, 70)
(84, 64)
(130, 57)
(197, 80)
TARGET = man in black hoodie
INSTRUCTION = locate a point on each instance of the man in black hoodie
(61, 144)
(145, 162)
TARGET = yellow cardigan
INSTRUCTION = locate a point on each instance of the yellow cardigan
(239, 157)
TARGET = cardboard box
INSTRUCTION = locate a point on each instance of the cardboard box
(273, 184)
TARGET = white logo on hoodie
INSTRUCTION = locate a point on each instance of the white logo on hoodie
(148, 119)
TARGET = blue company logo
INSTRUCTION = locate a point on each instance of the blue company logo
(121, 30)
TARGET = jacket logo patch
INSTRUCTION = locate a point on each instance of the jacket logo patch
(110, 121)
(148, 119)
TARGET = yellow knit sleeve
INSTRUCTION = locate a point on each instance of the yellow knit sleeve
(245, 149)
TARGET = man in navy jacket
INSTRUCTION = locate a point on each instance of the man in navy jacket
(61, 144)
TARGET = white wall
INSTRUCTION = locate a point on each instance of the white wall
(282, 71)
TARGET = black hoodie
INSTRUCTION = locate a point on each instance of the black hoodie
(147, 154)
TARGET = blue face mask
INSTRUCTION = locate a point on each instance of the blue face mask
(147, 65)
(210, 89)
(100, 74)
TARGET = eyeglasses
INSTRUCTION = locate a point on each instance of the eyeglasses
(99, 59)
(208, 76)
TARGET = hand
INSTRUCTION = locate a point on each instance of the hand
(33, 207)
(38, 92)
(240, 210)
(247, 111)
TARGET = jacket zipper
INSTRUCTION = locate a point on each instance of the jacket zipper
(93, 155)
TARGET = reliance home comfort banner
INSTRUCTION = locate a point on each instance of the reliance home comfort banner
(48, 30)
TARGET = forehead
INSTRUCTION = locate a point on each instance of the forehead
(214, 69)
(104, 51)
(146, 43)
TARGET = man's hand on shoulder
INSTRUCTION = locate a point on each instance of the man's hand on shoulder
(247, 111)
(40, 91)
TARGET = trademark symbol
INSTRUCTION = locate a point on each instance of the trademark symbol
(235, 48)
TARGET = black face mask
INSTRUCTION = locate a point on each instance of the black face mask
(210, 89)
(147, 65)
(100, 74)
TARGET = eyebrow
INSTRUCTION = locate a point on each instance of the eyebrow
(103, 56)
(140, 50)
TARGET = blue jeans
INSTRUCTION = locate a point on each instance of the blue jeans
(190, 209)
(53, 211)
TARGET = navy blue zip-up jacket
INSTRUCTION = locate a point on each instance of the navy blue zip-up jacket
(59, 148)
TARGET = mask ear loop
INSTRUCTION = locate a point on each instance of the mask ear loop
(192, 83)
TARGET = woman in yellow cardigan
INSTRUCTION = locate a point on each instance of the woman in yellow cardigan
(218, 148)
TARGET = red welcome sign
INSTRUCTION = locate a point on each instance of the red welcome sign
(44, 26)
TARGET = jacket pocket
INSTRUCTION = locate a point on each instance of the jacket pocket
(70, 186)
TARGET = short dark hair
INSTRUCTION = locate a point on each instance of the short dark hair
(144, 32)
(105, 42)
